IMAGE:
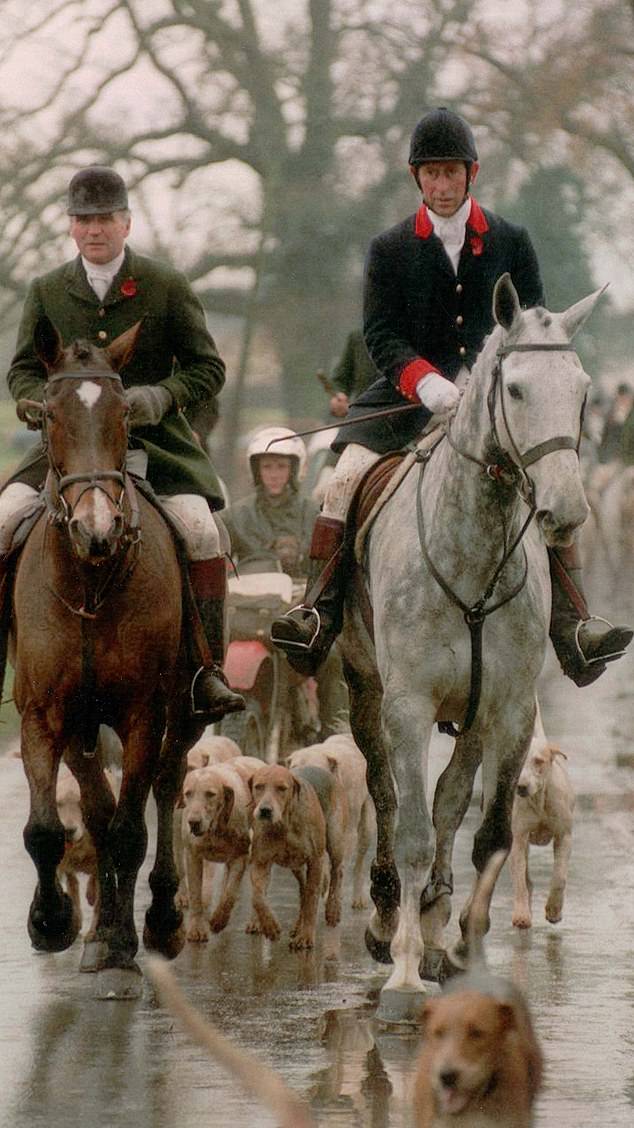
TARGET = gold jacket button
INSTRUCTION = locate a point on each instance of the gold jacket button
(459, 288)
(462, 350)
(101, 312)
(459, 319)
(102, 335)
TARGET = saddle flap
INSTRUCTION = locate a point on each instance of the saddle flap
(370, 488)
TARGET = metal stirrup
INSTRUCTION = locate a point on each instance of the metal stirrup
(287, 643)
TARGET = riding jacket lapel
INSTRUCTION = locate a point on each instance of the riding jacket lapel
(476, 243)
(77, 283)
(429, 248)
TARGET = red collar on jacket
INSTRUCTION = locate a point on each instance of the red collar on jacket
(476, 222)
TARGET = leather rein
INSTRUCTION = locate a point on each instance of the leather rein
(507, 471)
(60, 513)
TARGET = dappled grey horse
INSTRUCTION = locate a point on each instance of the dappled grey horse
(453, 563)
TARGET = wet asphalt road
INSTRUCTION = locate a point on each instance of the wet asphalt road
(65, 1057)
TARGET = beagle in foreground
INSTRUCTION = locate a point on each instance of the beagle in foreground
(481, 1064)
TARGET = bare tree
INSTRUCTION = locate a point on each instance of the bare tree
(268, 149)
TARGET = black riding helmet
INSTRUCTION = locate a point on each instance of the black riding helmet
(442, 135)
(96, 190)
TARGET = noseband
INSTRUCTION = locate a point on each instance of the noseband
(92, 478)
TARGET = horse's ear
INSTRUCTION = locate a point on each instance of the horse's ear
(121, 350)
(48, 343)
(573, 318)
(506, 304)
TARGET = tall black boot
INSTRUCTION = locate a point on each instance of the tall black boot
(307, 632)
(210, 694)
(583, 643)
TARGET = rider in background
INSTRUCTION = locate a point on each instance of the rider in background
(609, 453)
(354, 372)
(276, 522)
(428, 301)
(104, 291)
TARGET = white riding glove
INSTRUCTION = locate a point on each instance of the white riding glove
(148, 404)
(437, 393)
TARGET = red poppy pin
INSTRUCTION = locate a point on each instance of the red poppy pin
(128, 288)
(477, 246)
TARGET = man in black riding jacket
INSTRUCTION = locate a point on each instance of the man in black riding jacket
(104, 291)
(428, 306)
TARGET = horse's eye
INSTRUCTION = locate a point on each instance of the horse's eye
(515, 392)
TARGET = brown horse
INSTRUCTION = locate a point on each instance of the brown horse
(97, 639)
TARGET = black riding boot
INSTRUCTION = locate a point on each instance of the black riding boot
(210, 694)
(307, 632)
(583, 643)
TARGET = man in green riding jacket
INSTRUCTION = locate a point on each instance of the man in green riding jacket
(105, 290)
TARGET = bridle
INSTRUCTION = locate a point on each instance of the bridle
(513, 464)
(506, 470)
(94, 479)
(60, 512)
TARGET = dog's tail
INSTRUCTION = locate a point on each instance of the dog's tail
(478, 922)
(255, 1077)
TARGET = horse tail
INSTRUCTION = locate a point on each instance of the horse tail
(261, 1082)
(478, 921)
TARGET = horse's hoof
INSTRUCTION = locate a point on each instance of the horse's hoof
(166, 944)
(378, 949)
(93, 956)
(119, 983)
(400, 1008)
(53, 934)
(432, 964)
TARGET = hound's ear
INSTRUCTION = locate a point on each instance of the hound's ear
(426, 1013)
(121, 350)
(48, 344)
(229, 800)
(507, 1016)
(506, 304)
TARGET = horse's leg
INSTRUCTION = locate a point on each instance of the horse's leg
(408, 723)
(509, 735)
(164, 930)
(451, 800)
(52, 924)
(98, 807)
(385, 890)
(120, 976)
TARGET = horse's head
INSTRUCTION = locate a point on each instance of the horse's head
(84, 420)
(536, 405)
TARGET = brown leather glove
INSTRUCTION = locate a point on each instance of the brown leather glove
(148, 404)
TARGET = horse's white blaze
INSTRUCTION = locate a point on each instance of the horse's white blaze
(101, 513)
(89, 392)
